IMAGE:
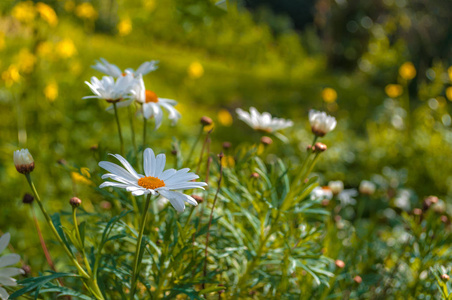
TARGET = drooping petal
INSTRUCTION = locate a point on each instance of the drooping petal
(4, 241)
(176, 199)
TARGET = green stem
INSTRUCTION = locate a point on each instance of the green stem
(144, 132)
(82, 248)
(55, 232)
(137, 261)
(132, 128)
(121, 141)
(195, 143)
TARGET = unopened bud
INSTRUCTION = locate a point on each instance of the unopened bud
(206, 121)
(266, 140)
(62, 162)
(336, 186)
(227, 145)
(26, 269)
(23, 161)
(198, 198)
(105, 205)
(27, 199)
(75, 202)
(417, 211)
(339, 263)
(309, 148)
(220, 156)
(429, 201)
(445, 277)
(94, 147)
(254, 175)
(357, 279)
(325, 202)
(174, 152)
(444, 219)
(319, 147)
(367, 187)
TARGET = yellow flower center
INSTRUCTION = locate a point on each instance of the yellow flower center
(150, 182)
(151, 97)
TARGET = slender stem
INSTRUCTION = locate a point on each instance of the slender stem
(82, 248)
(206, 142)
(43, 243)
(55, 232)
(211, 217)
(132, 129)
(144, 132)
(121, 141)
(137, 261)
(195, 143)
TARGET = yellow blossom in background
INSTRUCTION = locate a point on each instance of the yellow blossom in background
(11, 75)
(393, 90)
(24, 11)
(86, 11)
(66, 48)
(195, 70)
(407, 71)
(449, 71)
(228, 161)
(45, 49)
(329, 95)
(69, 5)
(449, 93)
(51, 91)
(26, 61)
(2, 40)
(75, 67)
(78, 178)
(47, 13)
(224, 117)
(125, 27)
(149, 5)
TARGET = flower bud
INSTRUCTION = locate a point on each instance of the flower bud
(254, 175)
(62, 162)
(27, 270)
(28, 199)
(321, 123)
(357, 279)
(206, 121)
(105, 205)
(75, 202)
(220, 156)
(198, 198)
(174, 152)
(319, 147)
(227, 145)
(367, 187)
(94, 147)
(445, 277)
(266, 140)
(336, 186)
(417, 211)
(429, 201)
(339, 263)
(23, 161)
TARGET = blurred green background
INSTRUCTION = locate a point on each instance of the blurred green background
(382, 68)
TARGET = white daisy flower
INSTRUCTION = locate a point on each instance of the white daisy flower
(156, 182)
(6, 272)
(321, 123)
(111, 90)
(113, 70)
(152, 106)
(262, 122)
(346, 197)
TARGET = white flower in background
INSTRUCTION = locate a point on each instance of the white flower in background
(7, 272)
(402, 200)
(113, 70)
(322, 193)
(367, 187)
(346, 197)
(321, 123)
(152, 106)
(336, 186)
(111, 90)
(262, 122)
(23, 161)
(156, 181)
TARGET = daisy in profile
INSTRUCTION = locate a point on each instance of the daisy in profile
(7, 272)
(262, 122)
(156, 181)
(111, 90)
(152, 106)
(321, 123)
(113, 70)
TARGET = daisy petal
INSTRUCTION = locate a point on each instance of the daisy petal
(9, 259)
(4, 241)
(126, 164)
(3, 294)
(149, 162)
(176, 199)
